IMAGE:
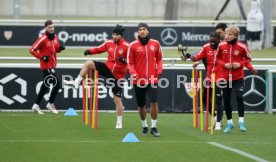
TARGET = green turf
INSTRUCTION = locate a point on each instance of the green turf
(168, 53)
(29, 137)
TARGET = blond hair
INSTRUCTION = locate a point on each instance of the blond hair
(233, 29)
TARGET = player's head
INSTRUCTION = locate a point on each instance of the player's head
(220, 28)
(49, 26)
(232, 33)
(117, 33)
(214, 39)
(143, 30)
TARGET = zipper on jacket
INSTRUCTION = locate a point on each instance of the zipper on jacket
(53, 56)
(147, 64)
(230, 74)
(114, 54)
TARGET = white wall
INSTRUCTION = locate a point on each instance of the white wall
(126, 8)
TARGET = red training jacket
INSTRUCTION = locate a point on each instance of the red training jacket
(43, 46)
(212, 67)
(145, 61)
(228, 53)
(114, 50)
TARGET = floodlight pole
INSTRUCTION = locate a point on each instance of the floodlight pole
(53, 9)
(16, 9)
(267, 23)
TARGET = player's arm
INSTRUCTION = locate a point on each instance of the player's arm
(60, 46)
(96, 50)
(250, 67)
(246, 59)
(130, 62)
(220, 61)
(159, 56)
(34, 50)
(198, 56)
(123, 58)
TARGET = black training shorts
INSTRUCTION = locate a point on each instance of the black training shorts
(105, 72)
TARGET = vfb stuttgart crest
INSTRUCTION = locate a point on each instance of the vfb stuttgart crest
(190, 89)
(152, 48)
(236, 52)
(121, 51)
(8, 35)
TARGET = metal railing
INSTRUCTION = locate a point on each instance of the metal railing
(171, 59)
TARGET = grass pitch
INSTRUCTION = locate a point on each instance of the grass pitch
(29, 137)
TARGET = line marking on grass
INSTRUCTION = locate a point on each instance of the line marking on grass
(98, 141)
(242, 153)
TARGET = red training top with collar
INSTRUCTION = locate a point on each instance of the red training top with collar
(212, 67)
(145, 61)
(114, 50)
(43, 46)
(230, 53)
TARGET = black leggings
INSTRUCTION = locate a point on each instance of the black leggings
(49, 79)
(238, 87)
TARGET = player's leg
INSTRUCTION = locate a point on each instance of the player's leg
(117, 97)
(43, 90)
(153, 95)
(238, 87)
(209, 102)
(140, 94)
(228, 109)
(218, 98)
(56, 86)
(88, 65)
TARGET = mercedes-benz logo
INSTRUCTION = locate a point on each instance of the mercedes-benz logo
(169, 36)
(254, 90)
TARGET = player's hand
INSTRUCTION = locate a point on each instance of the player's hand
(195, 64)
(122, 60)
(228, 66)
(236, 65)
(45, 58)
(134, 76)
(86, 52)
(193, 58)
(255, 72)
(159, 72)
(61, 45)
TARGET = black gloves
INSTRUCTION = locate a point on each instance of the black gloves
(122, 60)
(86, 52)
(61, 45)
(45, 58)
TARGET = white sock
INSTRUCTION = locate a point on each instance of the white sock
(153, 123)
(144, 123)
(215, 119)
(230, 121)
(119, 119)
(241, 119)
(78, 79)
(35, 105)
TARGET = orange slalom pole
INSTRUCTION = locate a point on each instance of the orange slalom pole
(86, 99)
(97, 99)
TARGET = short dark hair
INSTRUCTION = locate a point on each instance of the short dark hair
(222, 26)
(214, 34)
(48, 22)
